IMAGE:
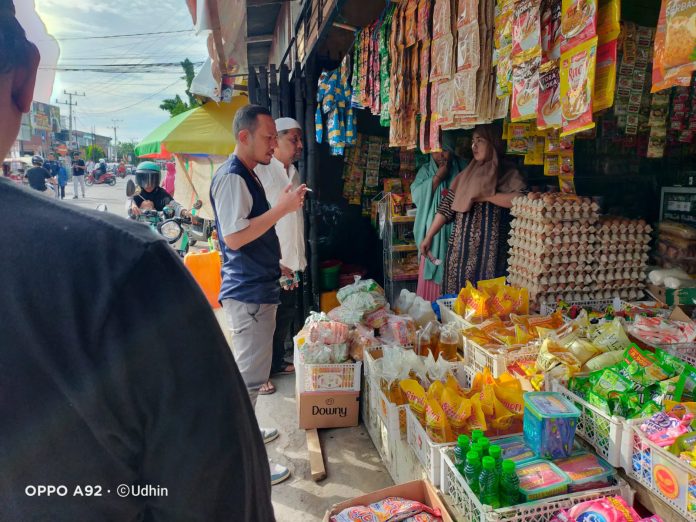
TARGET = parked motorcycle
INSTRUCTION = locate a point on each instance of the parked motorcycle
(105, 179)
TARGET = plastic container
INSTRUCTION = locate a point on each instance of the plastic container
(549, 424)
(329, 273)
(541, 479)
(516, 449)
(205, 267)
(328, 301)
(586, 471)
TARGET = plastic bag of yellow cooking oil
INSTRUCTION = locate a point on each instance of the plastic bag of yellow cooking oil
(521, 299)
(453, 385)
(502, 416)
(457, 409)
(480, 380)
(475, 308)
(510, 395)
(436, 425)
(460, 303)
(610, 336)
(415, 394)
(491, 325)
(435, 391)
(552, 355)
(477, 420)
(549, 322)
(486, 396)
(491, 286)
(582, 349)
(500, 304)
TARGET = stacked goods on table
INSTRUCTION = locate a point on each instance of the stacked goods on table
(561, 250)
(676, 248)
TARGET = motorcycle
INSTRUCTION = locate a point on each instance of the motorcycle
(105, 179)
(173, 229)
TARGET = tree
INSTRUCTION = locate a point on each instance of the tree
(175, 106)
(94, 153)
(126, 149)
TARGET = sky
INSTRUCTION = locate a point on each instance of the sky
(64, 31)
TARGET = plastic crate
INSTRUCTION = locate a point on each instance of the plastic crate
(369, 357)
(477, 357)
(667, 477)
(328, 377)
(467, 507)
(685, 351)
(599, 429)
(426, 450)
(449, 316)
(393, 416)
(598, 305)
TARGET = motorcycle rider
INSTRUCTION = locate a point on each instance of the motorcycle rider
(100, 170)
(150, 196)
(37, 175)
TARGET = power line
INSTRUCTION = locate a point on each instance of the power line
(66, 38)
(154, 64)
(136, 103)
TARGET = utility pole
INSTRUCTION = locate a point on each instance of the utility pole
(114, 126)
(71, 105)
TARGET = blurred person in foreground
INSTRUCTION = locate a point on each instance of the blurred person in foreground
(136, 417)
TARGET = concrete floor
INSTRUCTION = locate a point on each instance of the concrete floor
(353, 466)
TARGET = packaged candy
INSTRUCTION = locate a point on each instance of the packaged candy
(610, 509)
(541, 479)
(516, 449)
(663, 429)
(679, 409)
(549, 424)
(586, 471)
(602, 361)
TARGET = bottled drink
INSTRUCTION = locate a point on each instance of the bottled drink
(497, 453)
(476, 435)
(448, 343)
(509, 485)
(472, 471)
(485, 444)
(460, 451)
(488, 484)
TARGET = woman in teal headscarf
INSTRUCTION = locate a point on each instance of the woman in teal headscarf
(429, 187)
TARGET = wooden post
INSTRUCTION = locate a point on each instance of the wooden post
(316, 457)
(253, 86)
(273, 86)
(311, 180)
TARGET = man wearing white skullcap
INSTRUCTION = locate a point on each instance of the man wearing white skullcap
(275, 177)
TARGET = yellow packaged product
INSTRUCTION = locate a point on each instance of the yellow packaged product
(453, 385)
(475, 335)
(509, 393)
(502, 417)
(457, 409)
(491, 286)
(549, 322)
(486, 396)
(679, 409)
(463, 297)
(500, 304)
(577, 87)
(675, 45)
(415, 394)
(521, 299)
(477, 420)
(436, 425)
(435, 391)
(583, 350)
(605, 76)
(552, 355)
(491, 325)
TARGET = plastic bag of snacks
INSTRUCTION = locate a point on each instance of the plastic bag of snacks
(609, 509)
(360, 286)
(391, 508)
(399, 329)
(675, 45)
(328, 332)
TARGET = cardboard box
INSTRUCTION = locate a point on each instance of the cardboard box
(328, 409)
(419, 490)
(671, 297)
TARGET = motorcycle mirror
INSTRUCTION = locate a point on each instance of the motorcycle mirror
(130, 188)
(198, 204)
(101, 207)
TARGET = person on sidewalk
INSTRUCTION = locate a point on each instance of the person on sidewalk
(78, 172)
(275, 178)
(135, 417)
(38, 176)
(250, 250)
(53, 167)
(62, 179)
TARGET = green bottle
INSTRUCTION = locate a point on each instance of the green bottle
(484, 443)
(476, 435)
(497, 453)
(488, 484)
(460, 451)
(472, 471)
(509, 485)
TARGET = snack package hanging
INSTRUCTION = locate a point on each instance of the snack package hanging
(526, 29)
(525, 90)
(552, 165)
(441, 58)
(578, 22)
(465, 92)
(577, 87)
(503, 73)
(411, 30)
(467, 12)
(605, 76)
(549, 111)
(502, 36)
(468, 48)
(550, 30)
(442, 19)
(675, 45)
(608, 20)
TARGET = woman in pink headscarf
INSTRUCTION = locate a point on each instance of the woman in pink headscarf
(169, 177)
(477, 205)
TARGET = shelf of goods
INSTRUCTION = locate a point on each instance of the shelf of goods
(400, 257)
(667, 477)
(561, 249)
(467, 507)
(477, 357)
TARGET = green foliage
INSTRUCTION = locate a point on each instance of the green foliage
(125, 149)
(175, 106)
(94, 153)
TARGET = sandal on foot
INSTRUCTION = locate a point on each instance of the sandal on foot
(267, 388)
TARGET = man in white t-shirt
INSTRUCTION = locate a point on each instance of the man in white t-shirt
(275, 177)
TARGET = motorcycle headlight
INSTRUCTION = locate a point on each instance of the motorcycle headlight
(170, 230)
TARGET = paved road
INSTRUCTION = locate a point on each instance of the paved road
(113, 197)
